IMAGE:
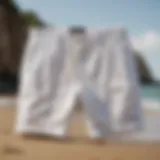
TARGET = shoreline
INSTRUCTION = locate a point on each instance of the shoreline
(149, 105)
(151, 112)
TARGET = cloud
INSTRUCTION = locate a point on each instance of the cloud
(147, 43)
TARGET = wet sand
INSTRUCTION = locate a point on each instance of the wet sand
(13, 147)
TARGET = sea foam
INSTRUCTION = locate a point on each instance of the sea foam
(151, 104)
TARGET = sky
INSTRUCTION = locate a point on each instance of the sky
(140, 17)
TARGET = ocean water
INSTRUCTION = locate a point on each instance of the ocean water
(151, 92)
(151, 97)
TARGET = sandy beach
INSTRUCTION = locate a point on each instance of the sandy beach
(13, 147)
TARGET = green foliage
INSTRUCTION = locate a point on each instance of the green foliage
(32, 19)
